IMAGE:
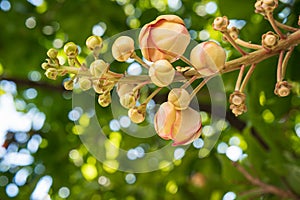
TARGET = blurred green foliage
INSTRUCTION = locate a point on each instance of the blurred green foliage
(269, 133)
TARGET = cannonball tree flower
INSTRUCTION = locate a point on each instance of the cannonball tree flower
(181, 126)
(164, 38)
(162, 73)
(208, 58)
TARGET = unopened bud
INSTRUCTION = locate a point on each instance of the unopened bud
(180, 98)
(208, 58)
(162, 73)
(137, 114)
(100, 86)
(51, 73)
(52, 53)
(237, 103)
(128, 100)
(269, 5)
(68, 85)
(104, 99)
(85, 83)
(123, 48)
(221, 23)
(93, 42)
(98, 68)
(269, 39)
(238, 110)
(71, 49)
(237, 98)
(45, 65)
(282, 88)
(258, 7)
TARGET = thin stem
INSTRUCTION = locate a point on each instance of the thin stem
(233, 43)
(139, 60)
(77, 61)
(187, 61)
(139, 86)
(114, 74)
(72, 70)
(266, 188)
(261, 54)
(189, 82)
(279, 66)
(274, 26)
(198, 88)
(247, 44)
(240, 77)
(285, 61)
(286, 27)
(155, 92)
(247, 77)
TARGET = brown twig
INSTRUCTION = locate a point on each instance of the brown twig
(266, 188)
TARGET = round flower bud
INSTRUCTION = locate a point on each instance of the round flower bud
(128, 100)
(269, 39)
(208, 58)
(237, 98)
(238, 110)
(258, 7)
(237, 103)
(164, 38)
(180, 98)
(100, 86)
(45, 65)
(181, 126)
(93, 42)
(98, 68)
(269, 5)
(282, 88)
(122, 48)
(221, 23)
(71, 49)
(162, 73)
(51, 73)
(137, 114)
(84, 83)
(104, 99)
(68, 85)
(52, 53)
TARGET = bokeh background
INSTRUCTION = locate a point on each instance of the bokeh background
(42, 157)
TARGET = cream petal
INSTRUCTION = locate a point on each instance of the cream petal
(164, 120)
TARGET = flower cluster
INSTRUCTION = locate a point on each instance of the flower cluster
(162, 42)
(269, 42)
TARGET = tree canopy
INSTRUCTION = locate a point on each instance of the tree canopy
(44, 155)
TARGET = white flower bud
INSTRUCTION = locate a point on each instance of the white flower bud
(180, 98)
(162, 73)
(85, 83)
(98, 68)
(122, 48)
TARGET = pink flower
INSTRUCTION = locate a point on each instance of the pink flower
(164, 38)
(181, 126)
